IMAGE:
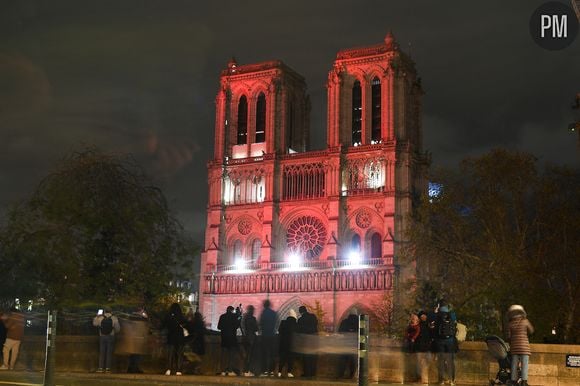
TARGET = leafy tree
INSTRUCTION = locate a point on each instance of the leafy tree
(501, 233)
(95, 230)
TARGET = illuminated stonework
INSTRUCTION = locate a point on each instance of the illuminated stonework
(306, 236)
(244, 227)
(291, 217)
(363, 219)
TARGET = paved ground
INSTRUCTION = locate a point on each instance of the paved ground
(26, 378)
(35, 378)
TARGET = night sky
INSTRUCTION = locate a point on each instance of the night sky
(141, 77)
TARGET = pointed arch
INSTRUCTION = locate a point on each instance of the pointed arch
(357, 113)
(242, 135)
(375, 110)
(260, 119)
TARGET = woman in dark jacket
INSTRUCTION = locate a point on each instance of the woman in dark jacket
(174, 323)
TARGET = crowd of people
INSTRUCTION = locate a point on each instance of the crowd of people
(259, 339)
(248, 341)
(436, 333)
(439, 332)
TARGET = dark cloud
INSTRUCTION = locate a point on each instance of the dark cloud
(140, 76)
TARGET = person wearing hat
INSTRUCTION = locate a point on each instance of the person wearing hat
(519, 328)
(108, 325)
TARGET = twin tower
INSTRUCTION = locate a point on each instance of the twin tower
(312, 227)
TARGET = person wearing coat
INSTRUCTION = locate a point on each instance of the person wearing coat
(174, 323)
(348, 362)
(286, 333)
(228, 325)
(423, 345)
(195, 326)
(519, 329)
(308, 324)
(267, 323)
(249, 326)
(14, 327)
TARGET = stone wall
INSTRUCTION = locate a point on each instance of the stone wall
(474, 365)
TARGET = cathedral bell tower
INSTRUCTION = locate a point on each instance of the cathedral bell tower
(260, 109)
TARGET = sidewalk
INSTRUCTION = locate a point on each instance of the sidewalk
(25, 378)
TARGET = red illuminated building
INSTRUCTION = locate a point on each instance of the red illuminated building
(299, 226)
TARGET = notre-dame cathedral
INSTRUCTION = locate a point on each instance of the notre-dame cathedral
(321, 228)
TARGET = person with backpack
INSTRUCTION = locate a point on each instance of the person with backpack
(445, 342)
(108, 326)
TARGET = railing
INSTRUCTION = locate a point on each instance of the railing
(303, 281)
(316, 264)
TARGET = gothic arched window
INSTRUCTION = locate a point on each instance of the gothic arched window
(242, 120)
(261, 118)
(355, 243)
(256, 245)
(376, 110)
(356, 114)
(237, 250)
(376, 246)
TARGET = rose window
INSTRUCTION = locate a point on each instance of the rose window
(363, 219)
(244, 227)
(306, 236)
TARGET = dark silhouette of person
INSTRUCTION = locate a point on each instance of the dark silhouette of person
(308, 324)
(347, 362)
(249, 327)
(228, 325)
(267, 324)
(195, 326)
(174, 324)
(286, 349)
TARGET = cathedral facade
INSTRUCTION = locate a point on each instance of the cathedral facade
(321, 228)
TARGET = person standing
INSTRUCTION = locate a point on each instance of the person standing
(409, 344)
(308, 324)
(2, 338)
(347, 362)
(286, 349)
(135, 336)
(228, 325)
(268, 321)
(14, 325)
(249, 328)
(423, 346)
(445, 342)
(108, 325)
(518, 332)
(195, 325)
(174, 323)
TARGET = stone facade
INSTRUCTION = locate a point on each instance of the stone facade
(298, 226)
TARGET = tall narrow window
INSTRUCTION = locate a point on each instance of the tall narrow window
(256, 245)
(355, 243)
(356, 114)
(242, 120)
(376, 111)
(237, 250)
(261, 118)
(376, 246)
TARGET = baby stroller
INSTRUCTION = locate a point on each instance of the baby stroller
(500, 350)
